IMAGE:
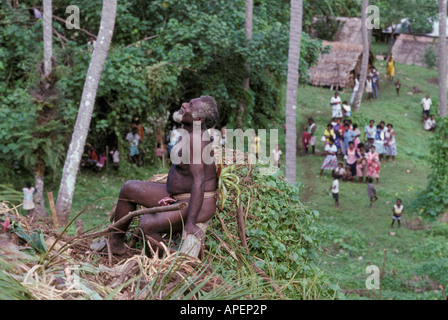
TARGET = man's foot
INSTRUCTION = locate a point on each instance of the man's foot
(118, 248)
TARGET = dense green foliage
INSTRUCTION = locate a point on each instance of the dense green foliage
(281, 234)
(163, 53)
(434, 200)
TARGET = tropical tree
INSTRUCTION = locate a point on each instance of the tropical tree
(246, 81)
(442, 66)
(39, 167)
(76, 148)
(416, 15)
(295, 35)
(365, 56)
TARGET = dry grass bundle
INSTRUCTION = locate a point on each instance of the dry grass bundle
(70, 269)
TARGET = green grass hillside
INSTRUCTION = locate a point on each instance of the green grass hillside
(355, 236)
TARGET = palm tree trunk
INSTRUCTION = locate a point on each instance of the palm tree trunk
(442, 67)
(295, 35)
(48, 36)
(39, 200)
(365, 56)
(246, 81)
(76, 148)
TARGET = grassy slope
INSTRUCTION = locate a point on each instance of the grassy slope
(354, 227)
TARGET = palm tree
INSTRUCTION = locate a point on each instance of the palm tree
(246, 82)
(365, 55)
(295, 35)
(442, 67)
(76, 148)
(39, 167)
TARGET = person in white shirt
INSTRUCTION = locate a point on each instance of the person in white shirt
(116, 157)
(335, 190)
(355, 90)
(426, 105)
(277, 154)
(430, 123)
(397, 210)
(370, 130)
(133, 138)
(335, 103)
(347, 109)
(28, 193)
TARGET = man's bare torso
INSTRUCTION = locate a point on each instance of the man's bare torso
(180, 179)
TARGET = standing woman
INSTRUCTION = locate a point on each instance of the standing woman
(351, 160)
(330, 161)
(329, 134)
(373, 164)
(379, 141)
(390, 68)
(390, 146)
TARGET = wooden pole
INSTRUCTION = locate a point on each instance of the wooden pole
(107, 157)
(52, 209)
(131, 215)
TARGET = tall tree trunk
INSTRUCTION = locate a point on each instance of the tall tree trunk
(365, 56)
(48, 35)
(39, 168)
(76, 148)
(295, 36)
(442, 66)
(246, 81)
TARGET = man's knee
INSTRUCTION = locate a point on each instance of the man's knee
(128, 189)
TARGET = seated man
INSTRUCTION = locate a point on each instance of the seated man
(430, 123)
(193, 182)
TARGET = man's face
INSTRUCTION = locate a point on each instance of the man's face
(185, 113)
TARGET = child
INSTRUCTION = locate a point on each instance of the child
(335, 190)
(28, 193)
(397, 212)
(347, 109)
(398, 87)
(348, 175)
(371, 191)
(340, 171)
(115, 156)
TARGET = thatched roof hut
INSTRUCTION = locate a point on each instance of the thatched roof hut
(339, 67)
(350, 31)
(410, 49)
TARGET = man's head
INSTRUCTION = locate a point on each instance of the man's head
(427, 96)
(432, 117)
(202, 109)
(310, 120)
(372, 122)
(336, 94)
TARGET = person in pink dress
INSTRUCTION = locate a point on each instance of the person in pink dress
(373, 164)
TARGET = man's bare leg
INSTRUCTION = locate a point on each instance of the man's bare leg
(133, 193)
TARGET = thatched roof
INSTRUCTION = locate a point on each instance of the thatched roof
(334, 68)
(350, 31)
(411, 49)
